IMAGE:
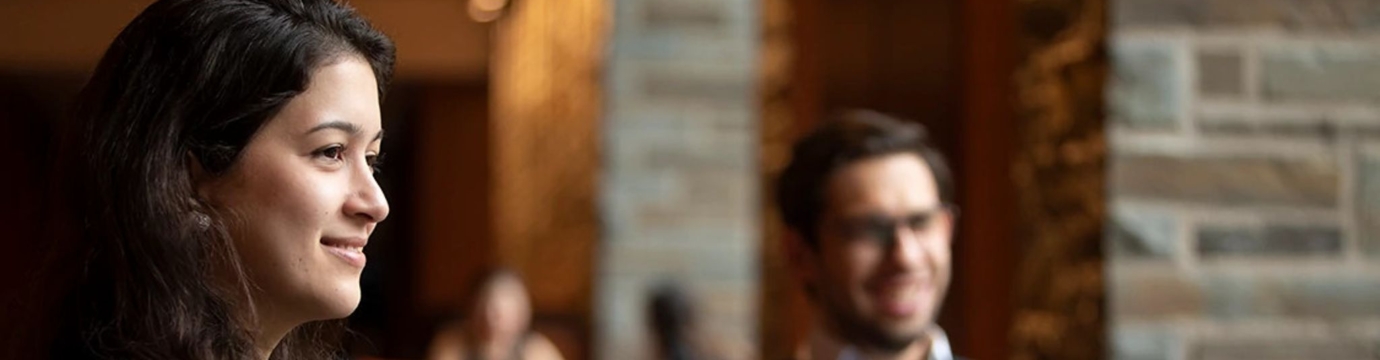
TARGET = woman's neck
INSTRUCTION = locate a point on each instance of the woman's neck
(265, 342)
(269, 334)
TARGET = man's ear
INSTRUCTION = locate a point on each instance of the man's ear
(802, 257)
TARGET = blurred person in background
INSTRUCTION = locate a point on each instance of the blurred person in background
(867, 203)
(496, 326)
(219, 182)
(675, 326)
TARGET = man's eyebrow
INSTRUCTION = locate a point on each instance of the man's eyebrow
(347, 127)
(378, 136)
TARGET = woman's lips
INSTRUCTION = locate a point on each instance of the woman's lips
(349, 250)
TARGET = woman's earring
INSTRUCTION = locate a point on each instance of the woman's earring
(203, 221)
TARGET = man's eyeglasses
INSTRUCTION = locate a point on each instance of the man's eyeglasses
(883, 230)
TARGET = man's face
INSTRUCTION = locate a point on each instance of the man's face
(882, 265)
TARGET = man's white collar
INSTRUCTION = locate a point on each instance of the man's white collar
(939, 346)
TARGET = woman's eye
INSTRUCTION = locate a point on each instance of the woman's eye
(375, 162)
(333, 152)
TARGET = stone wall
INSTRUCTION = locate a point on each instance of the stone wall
(679, 194)
(1245, 179)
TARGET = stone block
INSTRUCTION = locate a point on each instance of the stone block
(1361, 14)
(684, 15)
(1155, 295)
(1149, 83)
(1140, 233)
(1319, 130)
(1281, 349)
(682, 260)
(1143, 342)
(1215, 241)
(1306, 72)
(1332, 297)
(702, 30)
(1232, 181)
(691, 148)
(701, 84)
(1220, 73)
(1303, 15)
(636, 117)
(1368, 206)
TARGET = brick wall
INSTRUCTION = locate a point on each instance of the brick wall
(679, 194)
(1244, 179)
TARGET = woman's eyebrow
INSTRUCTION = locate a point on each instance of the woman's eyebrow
(347, 127)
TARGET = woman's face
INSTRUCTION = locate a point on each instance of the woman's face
(301, 201)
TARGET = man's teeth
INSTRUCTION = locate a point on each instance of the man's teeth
(900, 294)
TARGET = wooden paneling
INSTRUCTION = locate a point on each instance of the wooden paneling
(436, 40)
(453, 173)
(987, 250)
(547, 102)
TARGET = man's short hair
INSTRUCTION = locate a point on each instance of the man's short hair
(847, 138)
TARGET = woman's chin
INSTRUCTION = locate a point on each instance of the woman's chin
(339, 304)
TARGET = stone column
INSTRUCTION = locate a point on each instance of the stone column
(680, 178)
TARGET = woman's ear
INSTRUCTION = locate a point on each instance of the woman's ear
(199, 177)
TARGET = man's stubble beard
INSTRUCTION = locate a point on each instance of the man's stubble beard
(852, 327)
